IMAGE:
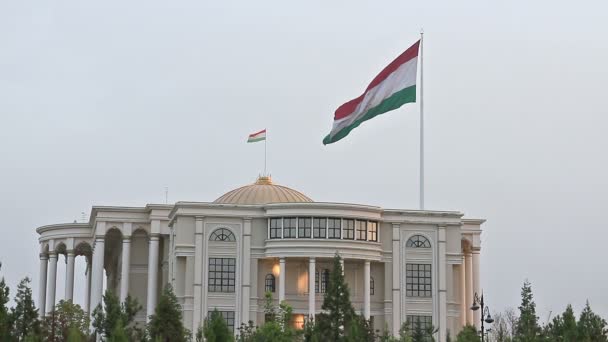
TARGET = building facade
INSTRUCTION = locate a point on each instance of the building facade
(400, 265)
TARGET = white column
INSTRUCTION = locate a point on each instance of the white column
(197, 315)
(246, 280)
(42, 283)
(97, 273)
(366, 289)
(125, 268)
(469, 285)
(396, 281)
(311, 287)
(342, 265)
(476, 286)
(152, 275)
(443, 287)
(87, 288)
(281, 279)
(52, 274)
(69, 276)
(463, 295)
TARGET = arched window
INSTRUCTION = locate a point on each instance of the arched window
(322, 282)
(372, 286)
(270, 283)
(222, 234)
(418, 241)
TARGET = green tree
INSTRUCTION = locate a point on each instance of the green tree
(66, 316)
(215, 329)
(591, 327)
(74, 335)
(468, 334)
(338, 313)
(25, 315)
(166, 323)
(527, 328)
(5, 319)
(562, 328)
(115, 314)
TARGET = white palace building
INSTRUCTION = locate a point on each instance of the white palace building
(401, 265)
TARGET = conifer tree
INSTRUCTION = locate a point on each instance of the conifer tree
(66, 316)
(24, 315)
(527, 328)
(591, 327)
(215, 329)
(563, 327)
(339, 312)
(468, 334)
(105, 322)
(5, 326)
(166, 323)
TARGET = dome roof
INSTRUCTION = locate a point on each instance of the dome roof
(263, 191)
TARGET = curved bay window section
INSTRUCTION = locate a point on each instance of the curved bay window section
(322, 228)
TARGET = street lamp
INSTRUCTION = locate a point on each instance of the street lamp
(485, 313)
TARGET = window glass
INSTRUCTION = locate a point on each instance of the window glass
(418, 280)
(289, 227)
(228, 317)
(423, 323)
(275, 228)
(319, 227)
(418, 241)
(222, 234)
(269, 285)
(222, 274)
(372, 286)
(333, 228)
(349, 229)
(361, 230)
(372, 231)
(304, 227)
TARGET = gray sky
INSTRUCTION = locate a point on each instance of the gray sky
(107, 103)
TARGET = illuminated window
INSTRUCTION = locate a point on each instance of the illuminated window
(372, 231)
(361, 230)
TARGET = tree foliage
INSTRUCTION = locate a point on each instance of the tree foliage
(215, 329)
(166, 323)
(527, 328)
(66, 317)
(115, 314)
(468, 334)
(5, 325)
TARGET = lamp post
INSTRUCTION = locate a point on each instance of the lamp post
(485, 313)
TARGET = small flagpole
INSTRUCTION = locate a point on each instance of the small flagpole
(421, 123)
(265, 174)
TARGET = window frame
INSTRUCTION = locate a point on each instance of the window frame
(417, 285)
(358, 224)
(276, 232)
(289, 232)
(226, 278)
(320, 229)
(270, 281)
(332, 229)
(372, 286)
(302, 228)
(372, 234)
(426, 321)
(222, 236)
(418, 241)
(348, 232)
(226, 316)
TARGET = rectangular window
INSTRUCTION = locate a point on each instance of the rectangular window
(289, 227)
(423, 323)
(228, 318)
(333, 228)
(304, 227)
(349, 229)
(372, 231)
(275, 228)
(319, 227)
(222, 274)
(418, 280)
(361, 230)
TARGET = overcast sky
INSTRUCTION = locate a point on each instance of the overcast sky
(106, 103)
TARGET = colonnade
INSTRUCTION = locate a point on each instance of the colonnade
(469, 285)
(94, 275)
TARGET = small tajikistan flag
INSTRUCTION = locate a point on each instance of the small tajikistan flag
(259, 136)
(393, 87)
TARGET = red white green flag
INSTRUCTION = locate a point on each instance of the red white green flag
(393, 87)
(258, 136)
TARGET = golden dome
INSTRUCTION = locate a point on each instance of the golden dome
(263, 191)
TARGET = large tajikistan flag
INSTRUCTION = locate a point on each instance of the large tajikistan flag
(393, 87)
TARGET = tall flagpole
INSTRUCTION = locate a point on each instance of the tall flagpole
(265, 174)
(421, 123)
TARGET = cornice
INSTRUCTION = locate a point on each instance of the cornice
(50, 227)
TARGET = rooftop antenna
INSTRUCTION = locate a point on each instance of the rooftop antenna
(83, 216)
(166, 195)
